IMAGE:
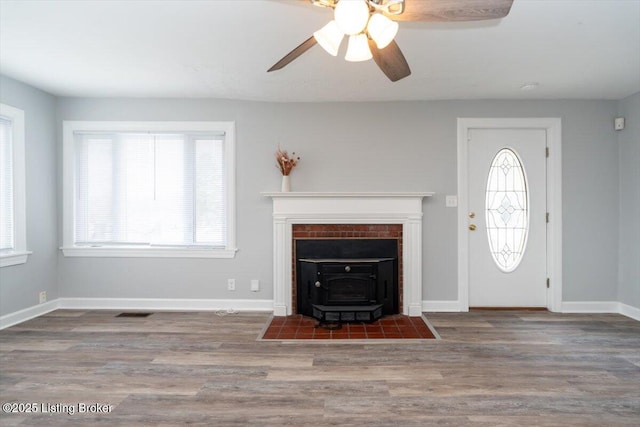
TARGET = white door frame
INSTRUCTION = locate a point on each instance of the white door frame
(553, 128)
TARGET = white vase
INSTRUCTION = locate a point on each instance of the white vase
(286, 184)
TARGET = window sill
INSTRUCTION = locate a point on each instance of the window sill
(128, 252)
(14, 258)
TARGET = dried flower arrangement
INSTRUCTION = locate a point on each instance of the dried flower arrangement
(286, 163)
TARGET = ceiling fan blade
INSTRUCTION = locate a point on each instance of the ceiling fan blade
(302, 48)
(453, 10)
(390, 60)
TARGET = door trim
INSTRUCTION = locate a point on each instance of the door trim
(553, 128)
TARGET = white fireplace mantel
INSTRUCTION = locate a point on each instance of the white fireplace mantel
(347, 208)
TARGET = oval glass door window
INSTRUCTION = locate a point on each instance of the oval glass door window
(507, 210)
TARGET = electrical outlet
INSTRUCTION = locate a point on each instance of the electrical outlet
(231, 284)
(42, 296)
(255, 285)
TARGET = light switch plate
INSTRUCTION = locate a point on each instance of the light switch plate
(255, 285)
(451, 201)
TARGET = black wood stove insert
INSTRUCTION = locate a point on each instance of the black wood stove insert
(347, 288)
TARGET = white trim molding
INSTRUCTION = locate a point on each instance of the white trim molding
(601, 307)
(146, 252)
(553, 128)
(586, 307)
(347, 208)
(244, 305)
(629, 311)
(166, 304)
(14, 258)
(590, 307)
(158, 304)
(441, 306)
(27, 314)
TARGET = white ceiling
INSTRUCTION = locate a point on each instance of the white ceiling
(222, 49)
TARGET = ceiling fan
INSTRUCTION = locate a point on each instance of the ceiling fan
(371, 26)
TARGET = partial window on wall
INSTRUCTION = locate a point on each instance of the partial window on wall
(13, 239)
(149, 189)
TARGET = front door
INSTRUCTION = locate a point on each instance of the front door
(507, 217)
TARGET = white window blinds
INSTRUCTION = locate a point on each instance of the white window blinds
(159, 189)
(7, 240)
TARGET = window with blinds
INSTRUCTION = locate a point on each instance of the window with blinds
(155, 188)
(6, 185)
(13, 207)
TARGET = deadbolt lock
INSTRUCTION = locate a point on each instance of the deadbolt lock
(472, 214)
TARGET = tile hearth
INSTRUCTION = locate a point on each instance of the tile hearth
(298, 327)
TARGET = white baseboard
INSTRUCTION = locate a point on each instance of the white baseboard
(165, 304)
(448, 306)
(135, 304)
(27, 314)
(257, 305)
(590, 307)
(601, 307)
(630, 311)
(567, 307)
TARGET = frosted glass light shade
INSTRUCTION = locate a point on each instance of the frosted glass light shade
(358, 49)
(351, 16)
(329, 37)
(382, 30)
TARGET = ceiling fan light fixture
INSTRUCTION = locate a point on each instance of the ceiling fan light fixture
(382, 30)
(358, 49)
(329, 37)
(351, 16)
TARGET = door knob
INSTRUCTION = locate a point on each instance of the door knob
(318, 284)
(472, 227)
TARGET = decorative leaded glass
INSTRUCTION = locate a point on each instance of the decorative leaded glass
(507, 210)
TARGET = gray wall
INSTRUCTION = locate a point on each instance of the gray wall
(629, 255)
(20, 284)
(395, 146)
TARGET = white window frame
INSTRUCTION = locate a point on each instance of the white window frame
(19, 254)
(68, 179)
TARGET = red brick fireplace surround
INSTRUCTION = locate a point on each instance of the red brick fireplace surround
(345, 231)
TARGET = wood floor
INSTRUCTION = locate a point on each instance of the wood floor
(490, 368)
